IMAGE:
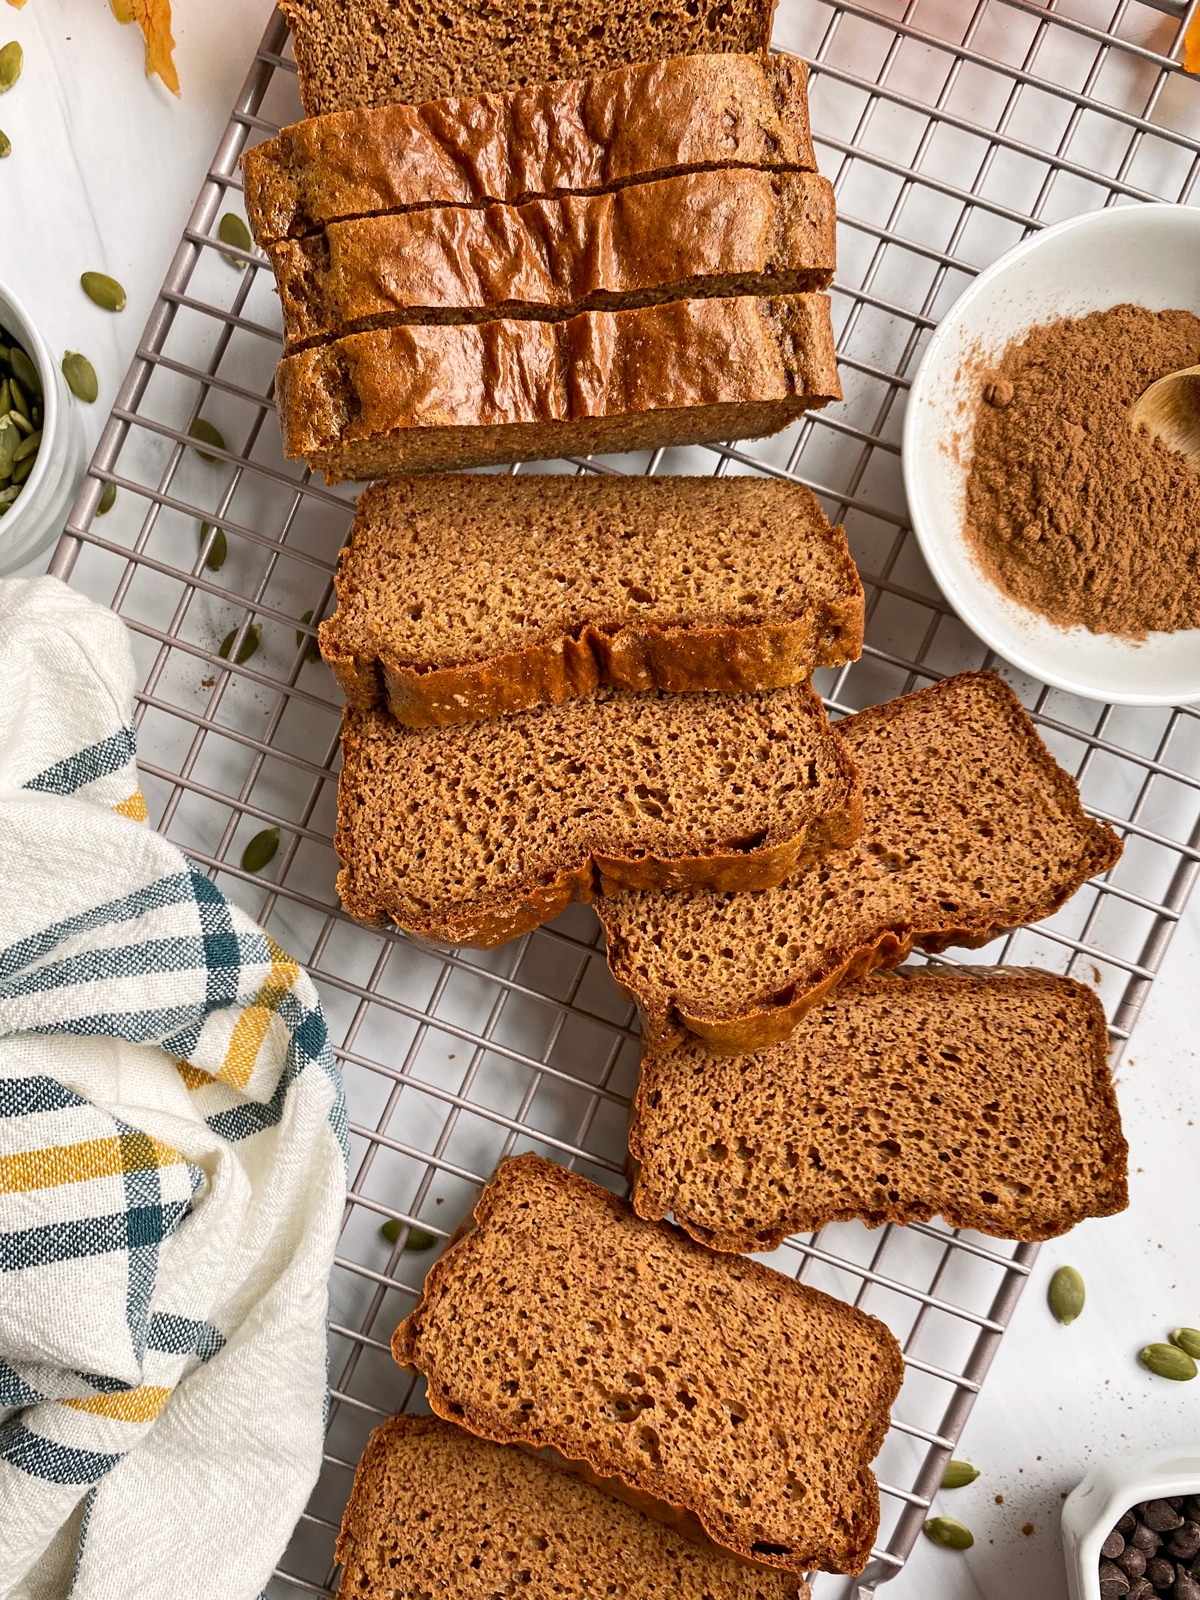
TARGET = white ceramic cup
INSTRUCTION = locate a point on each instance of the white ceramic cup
(1147, 254)
(1091, 1511)
(36, 516)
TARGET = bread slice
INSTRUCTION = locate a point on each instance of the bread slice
(686, 114)
(700, 233)
(970, 828)
(708, 1386)
(461, 596)
(436, 1511)
(983, 1095)
(474, 834)
(379, 52)
(421, 398)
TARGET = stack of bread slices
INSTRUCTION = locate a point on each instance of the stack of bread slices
(573, 230)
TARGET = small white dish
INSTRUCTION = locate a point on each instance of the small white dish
(36, 516)
(1111, 1489)
(1147, 254)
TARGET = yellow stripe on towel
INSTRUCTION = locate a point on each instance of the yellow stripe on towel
(134, 808)
(79, 1163)
(251, 1027)
(130, 1405)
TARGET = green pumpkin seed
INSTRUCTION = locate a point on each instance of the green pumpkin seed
(247, 648)
(5, 145)
(103, 291)
(22, 424)
(5, 397)
(7, 496)
(23, 468)
(260, 850)
(207, 434)
(1066, 1295)
(28, 447)
(9, 441)
(1188, 1339)
(232, 230)
(949, 1534)
(959, 1474)
(12, 59)
(219, 548)
(417, 1240)
(107, 500)
(81, 376)
(24, 371)
(1168, 1361)
(19, 402)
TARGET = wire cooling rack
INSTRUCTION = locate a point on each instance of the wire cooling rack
(951, 129)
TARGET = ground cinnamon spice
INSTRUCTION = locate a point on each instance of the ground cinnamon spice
(1069, 510)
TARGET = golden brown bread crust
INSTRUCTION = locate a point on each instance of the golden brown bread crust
(683, 114)
(651, 1494)
(665, 1018)
(701, 233)
(1110, 1198)
(490, 920)
(379, 52)
(365, 405)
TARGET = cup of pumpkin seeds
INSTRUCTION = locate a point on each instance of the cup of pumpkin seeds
(41, 439)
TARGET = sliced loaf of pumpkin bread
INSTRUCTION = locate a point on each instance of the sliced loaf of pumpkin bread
(463, 596)
(439, 1511)
(970, 828)
(476, 833)
(683, 114)
(983, 1095)
(433, 398)
(740, 232)
(709, 1388)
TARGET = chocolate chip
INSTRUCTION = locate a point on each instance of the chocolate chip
(1186, 1587)
(1114, 1544)
(1161, 1516)
(1160, 1573)
(1127, 1523)
(1175, 1500)
(1184, 1542)
(1113, 1581)
(1144, 1538)
(1132, 1561)
(1139, 1589)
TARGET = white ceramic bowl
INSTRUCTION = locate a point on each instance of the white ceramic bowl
(36, 516)
(1109, 1490)
(1147, 254)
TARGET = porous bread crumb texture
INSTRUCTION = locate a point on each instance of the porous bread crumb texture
(437, 1512)
(473, 834)
(382, 52)
(466, 597)
(970, 828)
(706, 1383)
(698, 234)
(686, 114)
(422, 397)
(983, 1096)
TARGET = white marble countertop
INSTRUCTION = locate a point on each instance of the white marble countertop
(104, 170)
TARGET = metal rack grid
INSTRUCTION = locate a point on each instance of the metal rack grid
(951, 128)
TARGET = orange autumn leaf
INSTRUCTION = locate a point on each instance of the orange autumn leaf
(1191, 45)
(154, 19)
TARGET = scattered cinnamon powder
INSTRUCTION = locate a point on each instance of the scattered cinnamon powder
(1069, 510)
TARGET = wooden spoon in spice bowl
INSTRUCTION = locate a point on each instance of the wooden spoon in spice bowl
(1170, 410)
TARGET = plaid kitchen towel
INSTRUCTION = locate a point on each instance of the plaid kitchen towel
(172, 1164)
